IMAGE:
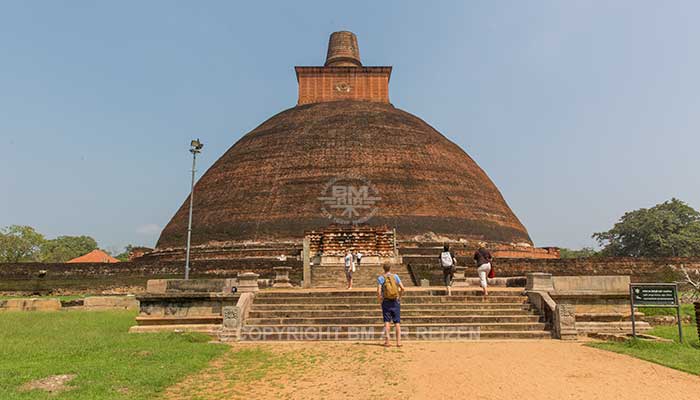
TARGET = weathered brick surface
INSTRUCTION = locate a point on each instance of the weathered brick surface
(639, 269)
(334, 241)
(96, 278)
(267, 186)
(319, 84)
(130, 276)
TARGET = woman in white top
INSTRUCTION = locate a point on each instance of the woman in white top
(349, 267)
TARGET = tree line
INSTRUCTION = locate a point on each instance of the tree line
(669, 229)
(20, 243)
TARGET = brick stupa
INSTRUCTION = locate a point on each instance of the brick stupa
(267, 186)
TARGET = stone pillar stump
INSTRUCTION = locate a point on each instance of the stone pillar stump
(248, 282)
(460, 277)
(282, 277)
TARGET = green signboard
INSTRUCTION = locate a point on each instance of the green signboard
(664, 295)
(660, 295)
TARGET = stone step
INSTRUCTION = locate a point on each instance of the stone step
(376, 311)
(422, 319)
(456, 307)
(406, 300)
(179, 320)
(446, 335)
(373, 293)
(487, 326)
(210, 329)
(378, 326)
(611, 327)
(607, 317)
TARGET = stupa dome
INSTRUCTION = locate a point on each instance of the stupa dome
(344, 154)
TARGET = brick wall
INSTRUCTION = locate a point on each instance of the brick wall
(640, 269)
(132, 276)
(321, 84)
(126, 276)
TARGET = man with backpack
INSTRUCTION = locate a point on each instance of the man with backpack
(448, 263)
(389, 291)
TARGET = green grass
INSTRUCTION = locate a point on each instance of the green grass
(686, 310)
(683, 357)
(109, 362)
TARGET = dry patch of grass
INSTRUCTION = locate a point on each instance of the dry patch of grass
(50, 384)
(296, 370)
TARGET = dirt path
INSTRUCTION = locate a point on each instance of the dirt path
(450, 370)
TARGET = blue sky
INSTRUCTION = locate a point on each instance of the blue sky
(578, 110)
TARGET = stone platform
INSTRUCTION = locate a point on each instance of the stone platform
(213, 306)
(559, 307)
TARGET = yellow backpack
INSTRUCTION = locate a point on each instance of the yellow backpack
(390, 288)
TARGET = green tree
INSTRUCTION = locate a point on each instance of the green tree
(124, 256)
(64, 248)
(669, 229)
(581, 253)
(20, 244)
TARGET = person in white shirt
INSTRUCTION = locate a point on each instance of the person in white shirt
(358, 258)
(349, 267)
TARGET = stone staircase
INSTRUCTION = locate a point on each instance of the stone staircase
(333, 276)
(426, 314)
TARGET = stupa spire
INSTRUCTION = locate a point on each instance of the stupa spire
(343, 50)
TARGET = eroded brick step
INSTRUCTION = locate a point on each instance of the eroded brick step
(608, 317)
(373, 300)
(423, 319)
(174, 320)
(376, 311)
(410, 336)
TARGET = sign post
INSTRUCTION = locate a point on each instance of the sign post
(655, 295)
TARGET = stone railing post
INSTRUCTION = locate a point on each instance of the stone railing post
(306, 254)
(282, 277)
(539, 281)
(565, 322)
(248, 282)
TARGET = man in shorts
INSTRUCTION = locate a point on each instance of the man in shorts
(389, 292)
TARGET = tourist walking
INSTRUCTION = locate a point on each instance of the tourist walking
(389, 292)
(448, 263)
(483, 258)
(349, 267)
(358, 258)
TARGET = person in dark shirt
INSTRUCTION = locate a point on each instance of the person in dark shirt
(483, 258)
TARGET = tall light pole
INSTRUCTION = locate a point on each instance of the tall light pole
(195, 148)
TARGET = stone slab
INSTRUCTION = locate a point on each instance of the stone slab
(32, 305)
(592, 284)
(110, 303)
(538, 281)
(188, 285)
